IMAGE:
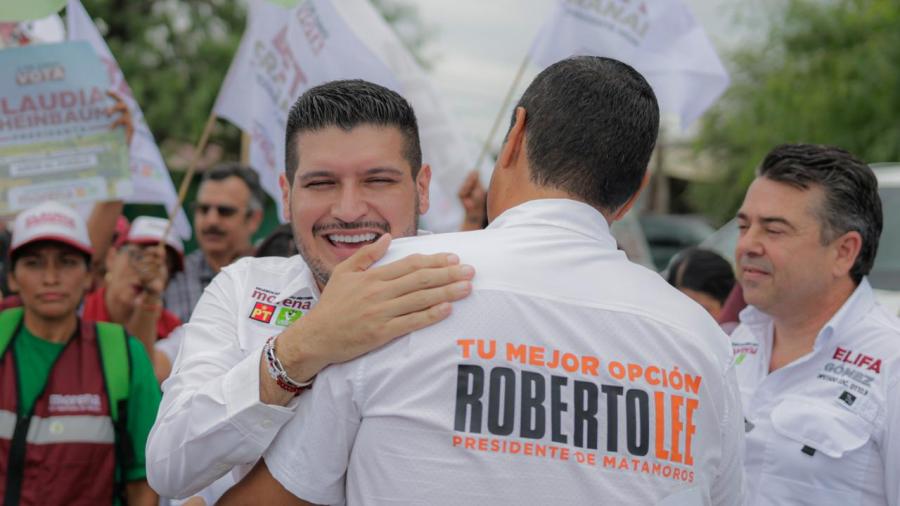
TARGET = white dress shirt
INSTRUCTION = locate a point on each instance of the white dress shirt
(211, 419)
(569, 376)
(824, 429)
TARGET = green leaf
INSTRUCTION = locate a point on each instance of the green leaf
(827, 73)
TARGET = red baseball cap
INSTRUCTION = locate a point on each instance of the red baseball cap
(150, 230)
(50, 221)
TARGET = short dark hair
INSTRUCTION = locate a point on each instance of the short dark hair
(347, 104)
(703, 271)
(590, 126)
(851, 193)
(279, 243)
(245, 174)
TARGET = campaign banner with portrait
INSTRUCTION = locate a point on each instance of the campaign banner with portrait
(55, 136)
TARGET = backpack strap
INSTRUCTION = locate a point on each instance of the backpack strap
(116, 364)
(113, 344)
(9, 323)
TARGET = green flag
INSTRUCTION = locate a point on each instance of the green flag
(27, 10)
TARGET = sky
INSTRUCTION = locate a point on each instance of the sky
(478, 45)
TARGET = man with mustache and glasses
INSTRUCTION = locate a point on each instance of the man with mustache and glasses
(817, 358)
(265, 327)
(227, 212)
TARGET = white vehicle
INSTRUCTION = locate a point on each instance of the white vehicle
(885, 275)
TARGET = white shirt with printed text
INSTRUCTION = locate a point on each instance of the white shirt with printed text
(211, 419)
(569, 376)
(824, 429)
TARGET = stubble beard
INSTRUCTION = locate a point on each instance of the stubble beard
(320, 271)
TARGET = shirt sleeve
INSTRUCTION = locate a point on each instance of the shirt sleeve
(311, 454)
(211, 418)
(729, 486)
(143, 402)
(891, 447)
(170, 345)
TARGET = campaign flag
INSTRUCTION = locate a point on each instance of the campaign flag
(659, 38)
(286, 51)
(451, 155)
(55, 140)
(150, 177)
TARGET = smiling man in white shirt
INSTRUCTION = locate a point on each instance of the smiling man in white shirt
(569, 376)
(265, 326)
(817, 358)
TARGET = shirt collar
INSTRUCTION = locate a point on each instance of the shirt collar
(564, 213)
(302, 279)
(855, 307)
(861, 301)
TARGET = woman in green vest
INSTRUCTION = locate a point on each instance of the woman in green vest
(77, 399)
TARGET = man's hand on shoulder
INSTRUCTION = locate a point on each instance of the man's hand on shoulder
(362, 309)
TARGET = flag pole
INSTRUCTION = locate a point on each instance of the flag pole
(192, 167)
(245, 147)
(502, 111)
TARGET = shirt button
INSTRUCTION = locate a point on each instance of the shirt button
(266, 424)
(222, 466)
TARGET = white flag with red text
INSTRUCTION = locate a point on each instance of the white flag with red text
(659, 38)
(152, 183)
(285, 51)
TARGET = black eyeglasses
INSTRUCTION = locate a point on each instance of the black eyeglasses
(224, 211)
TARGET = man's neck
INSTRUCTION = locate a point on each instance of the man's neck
(217, 261)
(55, 330)
(795, 332)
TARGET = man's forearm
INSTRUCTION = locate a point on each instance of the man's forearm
(297, 356)
(260, 487)
(143, 325)
(203, 432)
(139, 493)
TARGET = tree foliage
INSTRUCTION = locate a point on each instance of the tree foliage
(827, 73)
(174, 55)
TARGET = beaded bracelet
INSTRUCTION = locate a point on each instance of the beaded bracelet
(277, 372)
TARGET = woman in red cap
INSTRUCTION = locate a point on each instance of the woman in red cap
(137, 272)
(77, 397)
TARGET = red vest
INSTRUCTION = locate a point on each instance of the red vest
(68, 456)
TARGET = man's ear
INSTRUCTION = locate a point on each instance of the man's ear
(285, 196)
(515, 141)
(255, 219)
(847, 248)
(622, 211)
(423, 183)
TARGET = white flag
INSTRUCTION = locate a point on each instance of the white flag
(659, 38)
(151, 179)
(284, 52)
